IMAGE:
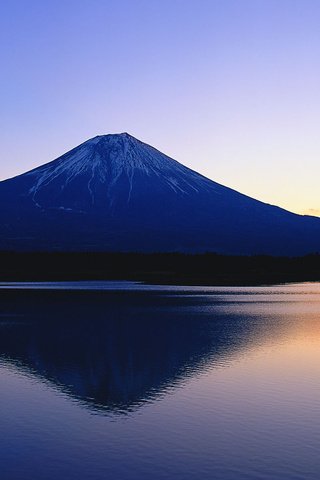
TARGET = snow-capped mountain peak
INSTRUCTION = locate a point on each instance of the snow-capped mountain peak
(108, 162)
(114, 192)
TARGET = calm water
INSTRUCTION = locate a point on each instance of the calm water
(123, 381)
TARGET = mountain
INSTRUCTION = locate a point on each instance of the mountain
(116, 193)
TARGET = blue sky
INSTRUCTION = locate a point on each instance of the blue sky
(228, 87)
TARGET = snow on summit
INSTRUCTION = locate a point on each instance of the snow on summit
(111, 159)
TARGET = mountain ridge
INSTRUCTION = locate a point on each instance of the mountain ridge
(114, 192)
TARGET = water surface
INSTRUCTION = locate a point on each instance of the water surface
(104, 380)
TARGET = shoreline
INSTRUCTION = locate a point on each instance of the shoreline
(206, 269)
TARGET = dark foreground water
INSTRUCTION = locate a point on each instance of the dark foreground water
(105, 381)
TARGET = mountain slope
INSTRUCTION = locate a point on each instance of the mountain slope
(116, 193)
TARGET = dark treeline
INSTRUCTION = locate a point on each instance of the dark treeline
(206, 269)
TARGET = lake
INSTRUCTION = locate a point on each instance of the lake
(125, 381)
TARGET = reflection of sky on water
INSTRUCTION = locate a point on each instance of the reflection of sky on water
(108, 385)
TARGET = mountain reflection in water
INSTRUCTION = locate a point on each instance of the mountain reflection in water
(116, 351)
(159, 383)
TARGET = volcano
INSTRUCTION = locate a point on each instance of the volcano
(116, 193)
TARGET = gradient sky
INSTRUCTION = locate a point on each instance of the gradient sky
(230, 88)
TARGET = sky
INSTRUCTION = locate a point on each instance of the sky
(229, 88)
